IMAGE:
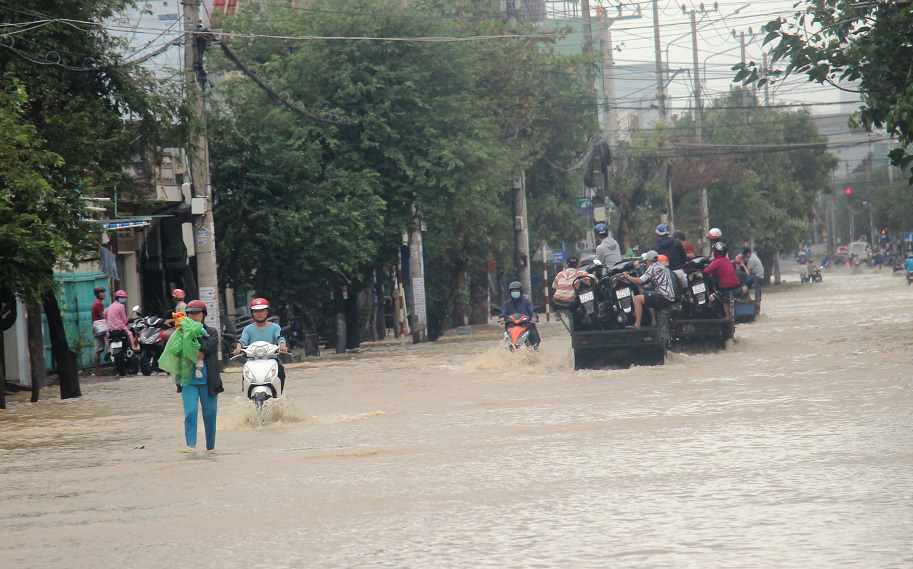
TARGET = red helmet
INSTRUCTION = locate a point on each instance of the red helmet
(120, 294)
(259, 304)
(196, 306)
(178, 293)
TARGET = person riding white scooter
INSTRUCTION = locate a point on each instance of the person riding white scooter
(263, 331)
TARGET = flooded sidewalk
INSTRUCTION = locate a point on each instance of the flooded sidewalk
(793, 449)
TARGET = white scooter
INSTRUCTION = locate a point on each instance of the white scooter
(260, 377)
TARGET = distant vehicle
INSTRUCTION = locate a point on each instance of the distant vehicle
(861, 249)
(843, 255)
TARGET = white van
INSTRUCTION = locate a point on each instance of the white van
(861, 249)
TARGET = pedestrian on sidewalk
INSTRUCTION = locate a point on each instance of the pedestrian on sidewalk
(99, 328)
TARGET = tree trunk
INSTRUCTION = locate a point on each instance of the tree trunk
(380, 323)
(353, 329)
(479, 301)
(340, 321)
(35, 341)
(311, 343)
(624, 230)
(67, 372)
(2, 375)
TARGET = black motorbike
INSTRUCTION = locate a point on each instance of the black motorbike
(121, 352)
(702, 297)
(152, 334)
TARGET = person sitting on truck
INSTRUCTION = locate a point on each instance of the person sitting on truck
(721, 268)
(519, 304)
(565, 296)
(689, 248)
(673, 249)
(661, 295)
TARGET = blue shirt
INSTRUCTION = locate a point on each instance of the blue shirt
(272, 334)
(199, 380)
(908, 264)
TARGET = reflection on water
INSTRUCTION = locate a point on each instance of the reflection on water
(792, 449)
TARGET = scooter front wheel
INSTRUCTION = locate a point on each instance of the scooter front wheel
(146, 361)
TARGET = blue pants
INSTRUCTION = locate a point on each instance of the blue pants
(191, 394)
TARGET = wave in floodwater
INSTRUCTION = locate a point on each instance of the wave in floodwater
(241, 414)
(550, 357)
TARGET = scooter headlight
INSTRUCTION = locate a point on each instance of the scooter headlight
(259, 352)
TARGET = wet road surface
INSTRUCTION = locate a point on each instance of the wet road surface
(792, 449)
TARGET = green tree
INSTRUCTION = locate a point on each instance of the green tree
(405, 128)
(865, 44)
(66, 94)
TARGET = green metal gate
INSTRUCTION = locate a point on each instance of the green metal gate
(76, 296)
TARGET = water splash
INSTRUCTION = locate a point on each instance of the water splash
(241, 413)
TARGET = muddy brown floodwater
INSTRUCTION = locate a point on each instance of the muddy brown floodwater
(792, 449)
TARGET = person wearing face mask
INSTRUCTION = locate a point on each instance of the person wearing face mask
(518, 304)
(116, 315)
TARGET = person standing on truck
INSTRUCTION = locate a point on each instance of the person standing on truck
(661, 295)
(608, 252)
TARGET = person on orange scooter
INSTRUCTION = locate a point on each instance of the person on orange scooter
(519, 304)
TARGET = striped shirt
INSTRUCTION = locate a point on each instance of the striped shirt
(659, 275)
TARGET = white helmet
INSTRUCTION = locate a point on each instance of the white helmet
(715, 233)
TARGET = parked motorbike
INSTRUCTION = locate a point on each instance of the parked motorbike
(623, 293)
(121, 352)
(516, 332)
(702, 298)
(152, 336)
(260, 377)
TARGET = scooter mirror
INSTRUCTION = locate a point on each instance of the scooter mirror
(136, 308)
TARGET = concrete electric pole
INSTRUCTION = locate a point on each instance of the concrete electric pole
(699, 126)
(201, 186)
(521, 232)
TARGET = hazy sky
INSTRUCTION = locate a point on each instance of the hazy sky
(718, 50)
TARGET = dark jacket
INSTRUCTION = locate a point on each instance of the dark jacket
(672, 248)
(520, 305)
(210, 348)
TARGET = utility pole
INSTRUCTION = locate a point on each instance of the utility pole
(201, 185)
(766, 83)
(521, 232)
(744, 91)
(660, 87)
(417, 274)
(699, 127)
(661, 103)
(610, 130)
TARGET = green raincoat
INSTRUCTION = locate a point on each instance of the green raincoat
(181, 351)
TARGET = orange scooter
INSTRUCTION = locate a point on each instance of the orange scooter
(516, 331)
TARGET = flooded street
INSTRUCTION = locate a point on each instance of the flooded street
(791, 450)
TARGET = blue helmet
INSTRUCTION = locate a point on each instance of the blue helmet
(601, 230)
(662, 229)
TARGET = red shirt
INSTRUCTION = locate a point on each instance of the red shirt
(689, 248)
(98, 310)
(722, 269)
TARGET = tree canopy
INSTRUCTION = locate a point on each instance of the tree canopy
(864, 47)
(405, 129)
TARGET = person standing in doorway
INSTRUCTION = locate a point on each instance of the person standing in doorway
(98, 313)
